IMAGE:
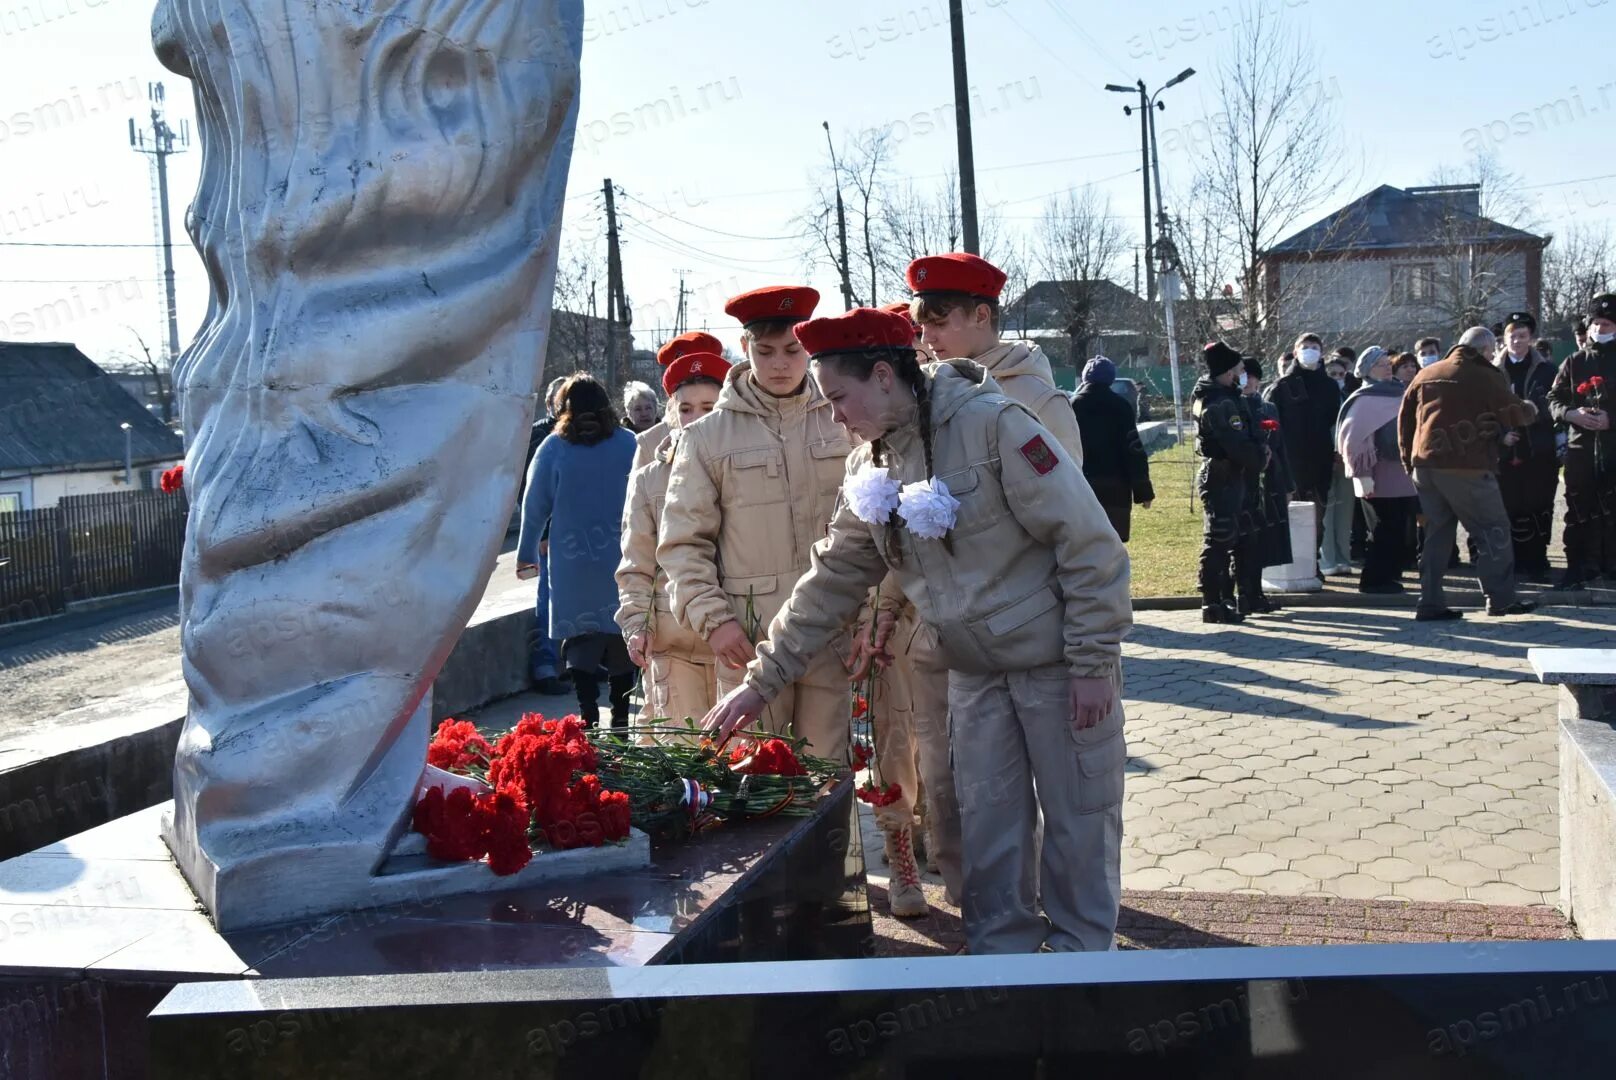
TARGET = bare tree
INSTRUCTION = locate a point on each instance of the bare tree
(918, 222)
(1078, 244)
(1478, 264)
(868, 171)
(1276, 155)
(863, 173)
(1208, 308)
(161, 376)
(1577, 267)
(577, 340)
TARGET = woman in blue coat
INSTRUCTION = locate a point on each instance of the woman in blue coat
(576, 485)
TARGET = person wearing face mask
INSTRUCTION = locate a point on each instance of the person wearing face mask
(1429, 351)
(1581, 399)
(1233, 456)
(1308, 400)
(1345, 532)
(1448, 435)
(1529, 471)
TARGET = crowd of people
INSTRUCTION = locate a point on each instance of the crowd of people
(1395, 450)
(899, 495)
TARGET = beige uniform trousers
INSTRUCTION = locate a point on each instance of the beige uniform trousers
(815, 707)
(911, 743)
(1016, 752)
(680, 689)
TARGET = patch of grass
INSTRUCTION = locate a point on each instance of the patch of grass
(1165, 546)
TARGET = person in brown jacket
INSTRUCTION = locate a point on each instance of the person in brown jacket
(678, 664)
(751, 490)
(957, 306)
(1454, 416)
(1005, 551)
(647, 442)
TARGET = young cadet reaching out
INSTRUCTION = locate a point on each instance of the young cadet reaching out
(997, 539)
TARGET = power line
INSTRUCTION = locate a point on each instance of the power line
(704, 228)
(698, 251)
(1088, 39)
(42, 244)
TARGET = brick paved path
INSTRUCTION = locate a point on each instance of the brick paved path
(1353, 754)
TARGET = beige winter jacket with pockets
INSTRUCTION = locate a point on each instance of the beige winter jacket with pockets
(1036, 575)
(753, 486)
(1023, 372)
(648, 441)
(642, 585)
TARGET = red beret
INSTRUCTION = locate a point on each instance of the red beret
(773, 302)
(956, 272)
(692, 364)
(855, 331)
(694, 341)
(901, 307)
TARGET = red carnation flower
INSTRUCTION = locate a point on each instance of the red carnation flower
(172, 480)
(772, 757)
(452, 825)
(1585, 387)
(1270, 424)
(614, 814)
(861, 706)
(885, 795)
(1597, 381)
(505, 822)
(457, 745)
(863, 754)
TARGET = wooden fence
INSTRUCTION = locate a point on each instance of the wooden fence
(88, 546)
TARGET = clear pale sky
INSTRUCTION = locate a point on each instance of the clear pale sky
(710, 111)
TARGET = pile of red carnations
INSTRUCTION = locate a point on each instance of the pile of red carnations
(560, 785)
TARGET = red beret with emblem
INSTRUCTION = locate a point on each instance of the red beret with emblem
(956, 272)
(694, 341)
(773, 302)
(689, 366)
(858, 330)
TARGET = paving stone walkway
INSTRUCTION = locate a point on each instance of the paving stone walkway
(1357, 754)
(1349, 754)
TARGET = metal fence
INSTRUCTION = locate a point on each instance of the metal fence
(88, 546)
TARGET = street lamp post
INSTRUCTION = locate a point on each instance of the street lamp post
(128, 454)
(1162, 255)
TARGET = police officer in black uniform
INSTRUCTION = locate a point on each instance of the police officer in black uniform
(1583, 398)
(1234, 455)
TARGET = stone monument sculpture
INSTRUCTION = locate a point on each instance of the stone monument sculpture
(378, 212)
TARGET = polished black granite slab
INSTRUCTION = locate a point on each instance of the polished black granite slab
(1531, 1009)
(95, 928)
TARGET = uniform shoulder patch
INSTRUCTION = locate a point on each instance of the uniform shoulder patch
(1039, 455)
(1236, 423)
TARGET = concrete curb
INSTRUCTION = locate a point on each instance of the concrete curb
(1408, 600)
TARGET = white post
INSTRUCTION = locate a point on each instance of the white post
(1302, 574)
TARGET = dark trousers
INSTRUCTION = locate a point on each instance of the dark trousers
(1120, 515)
(585, 656)
(1590, 522)
(1248, 566)
(1448, 498)
(1223, 495)
(1528, 489)
(1388, 544)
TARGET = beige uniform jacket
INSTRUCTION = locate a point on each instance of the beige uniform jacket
(1023, 373)
(648, 441)
(752, 489)
(642, 585)
(1036, 576)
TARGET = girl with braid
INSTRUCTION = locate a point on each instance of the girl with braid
(994, 535)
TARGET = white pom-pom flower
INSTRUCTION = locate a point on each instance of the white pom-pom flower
(927, 508)
(871, 493)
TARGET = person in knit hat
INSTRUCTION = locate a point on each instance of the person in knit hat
(1233, 455)
(1114, 461)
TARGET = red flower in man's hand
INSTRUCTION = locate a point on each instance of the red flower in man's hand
(885, 795)
(1585, 387)
(1270, 424)
(172, 480)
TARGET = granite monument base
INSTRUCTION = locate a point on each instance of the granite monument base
(95, 929)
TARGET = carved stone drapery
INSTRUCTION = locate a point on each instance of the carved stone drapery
(378, 212)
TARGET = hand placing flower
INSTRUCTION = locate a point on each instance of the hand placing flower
(871, 493)
(927, 508)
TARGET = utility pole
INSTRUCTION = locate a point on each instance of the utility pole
(1144, 174)
(616, 305)
(841, 220)
(679, 315)
(962, 124)
(161, 142)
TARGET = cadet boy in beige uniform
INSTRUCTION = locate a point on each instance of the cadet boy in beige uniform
(1006, 552)
(680, 680)
(957, 306)
(647, 442)
(751, 491)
